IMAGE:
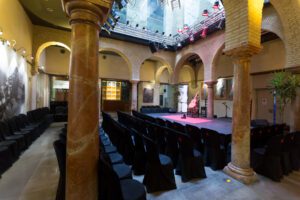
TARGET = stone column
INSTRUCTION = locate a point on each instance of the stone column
(134, 94)
(239, 167)
(210, 98)
(83, 114)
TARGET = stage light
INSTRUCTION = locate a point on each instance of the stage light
(163, 33)
(127, 22)
(156, 31)
(204, 32)
(144, 28)
(192, 39)
(205, 13)
(170, 35)
(137, 25)
(216, 5)
(185, 27)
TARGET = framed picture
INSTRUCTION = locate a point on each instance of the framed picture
(203, 94)
(229, 86)
(148, 95)
(220, 89)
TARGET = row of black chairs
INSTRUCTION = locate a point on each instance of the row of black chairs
(214, 146)
(279, 156)
(177, 145)
(115, 177)
(18, 132)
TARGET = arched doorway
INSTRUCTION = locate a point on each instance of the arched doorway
(115, 75)
(155, 86)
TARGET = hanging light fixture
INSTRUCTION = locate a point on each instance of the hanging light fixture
(205, 13)
(216, 5)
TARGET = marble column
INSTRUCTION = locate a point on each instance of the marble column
(239, 167)
(83, 114)
(134, 94)
(210, 98)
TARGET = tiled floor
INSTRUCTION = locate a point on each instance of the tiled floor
(35, 175)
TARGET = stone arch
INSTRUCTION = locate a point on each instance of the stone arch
(165, 65)
(129, 65)
(180, 63)
(42, 47)
(160, 71)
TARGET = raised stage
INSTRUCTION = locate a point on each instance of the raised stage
(222, 125)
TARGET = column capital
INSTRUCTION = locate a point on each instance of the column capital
(244, 51)
(210, 83)
(95, 11)
(134, 81)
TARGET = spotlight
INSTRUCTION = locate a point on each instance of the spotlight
(144, 28)
(156, 31)
(137, 25)
(204, 32)
(127, 22)
(205, 13)
(170, 35)
(185, 27)
(216, 5)
(163, 33)
(192, 39)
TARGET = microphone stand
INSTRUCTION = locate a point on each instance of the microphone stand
(226, 108)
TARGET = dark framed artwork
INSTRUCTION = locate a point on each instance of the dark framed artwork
(220, 90)
(148, 95)
(229, 87)
(203, 90)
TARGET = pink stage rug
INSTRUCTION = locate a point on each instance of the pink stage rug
(187, 120)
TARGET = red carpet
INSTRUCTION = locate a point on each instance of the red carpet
(187, 120)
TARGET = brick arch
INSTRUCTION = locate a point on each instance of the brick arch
(288, 12)
(165, 65)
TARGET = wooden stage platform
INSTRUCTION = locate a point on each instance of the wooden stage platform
(222, 125)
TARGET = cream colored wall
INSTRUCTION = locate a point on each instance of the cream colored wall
(147, 71)
(141, 87)
(184, 75)
(113, 66)
(56, 62)
(15, 24)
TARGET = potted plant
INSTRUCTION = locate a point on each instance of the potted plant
(285, 85)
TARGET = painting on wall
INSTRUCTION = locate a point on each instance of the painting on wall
(148, 94)
(229, 86)
(220, 89)
(13, 79)
(203, 91)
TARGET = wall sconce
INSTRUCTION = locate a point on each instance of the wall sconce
(22, 50)
(1, 32)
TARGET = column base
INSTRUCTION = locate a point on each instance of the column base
(246, 176)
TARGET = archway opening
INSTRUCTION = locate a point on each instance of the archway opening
(189, 77)
(115, 76)
(154, 88)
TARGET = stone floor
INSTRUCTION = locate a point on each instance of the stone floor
(35, 175)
